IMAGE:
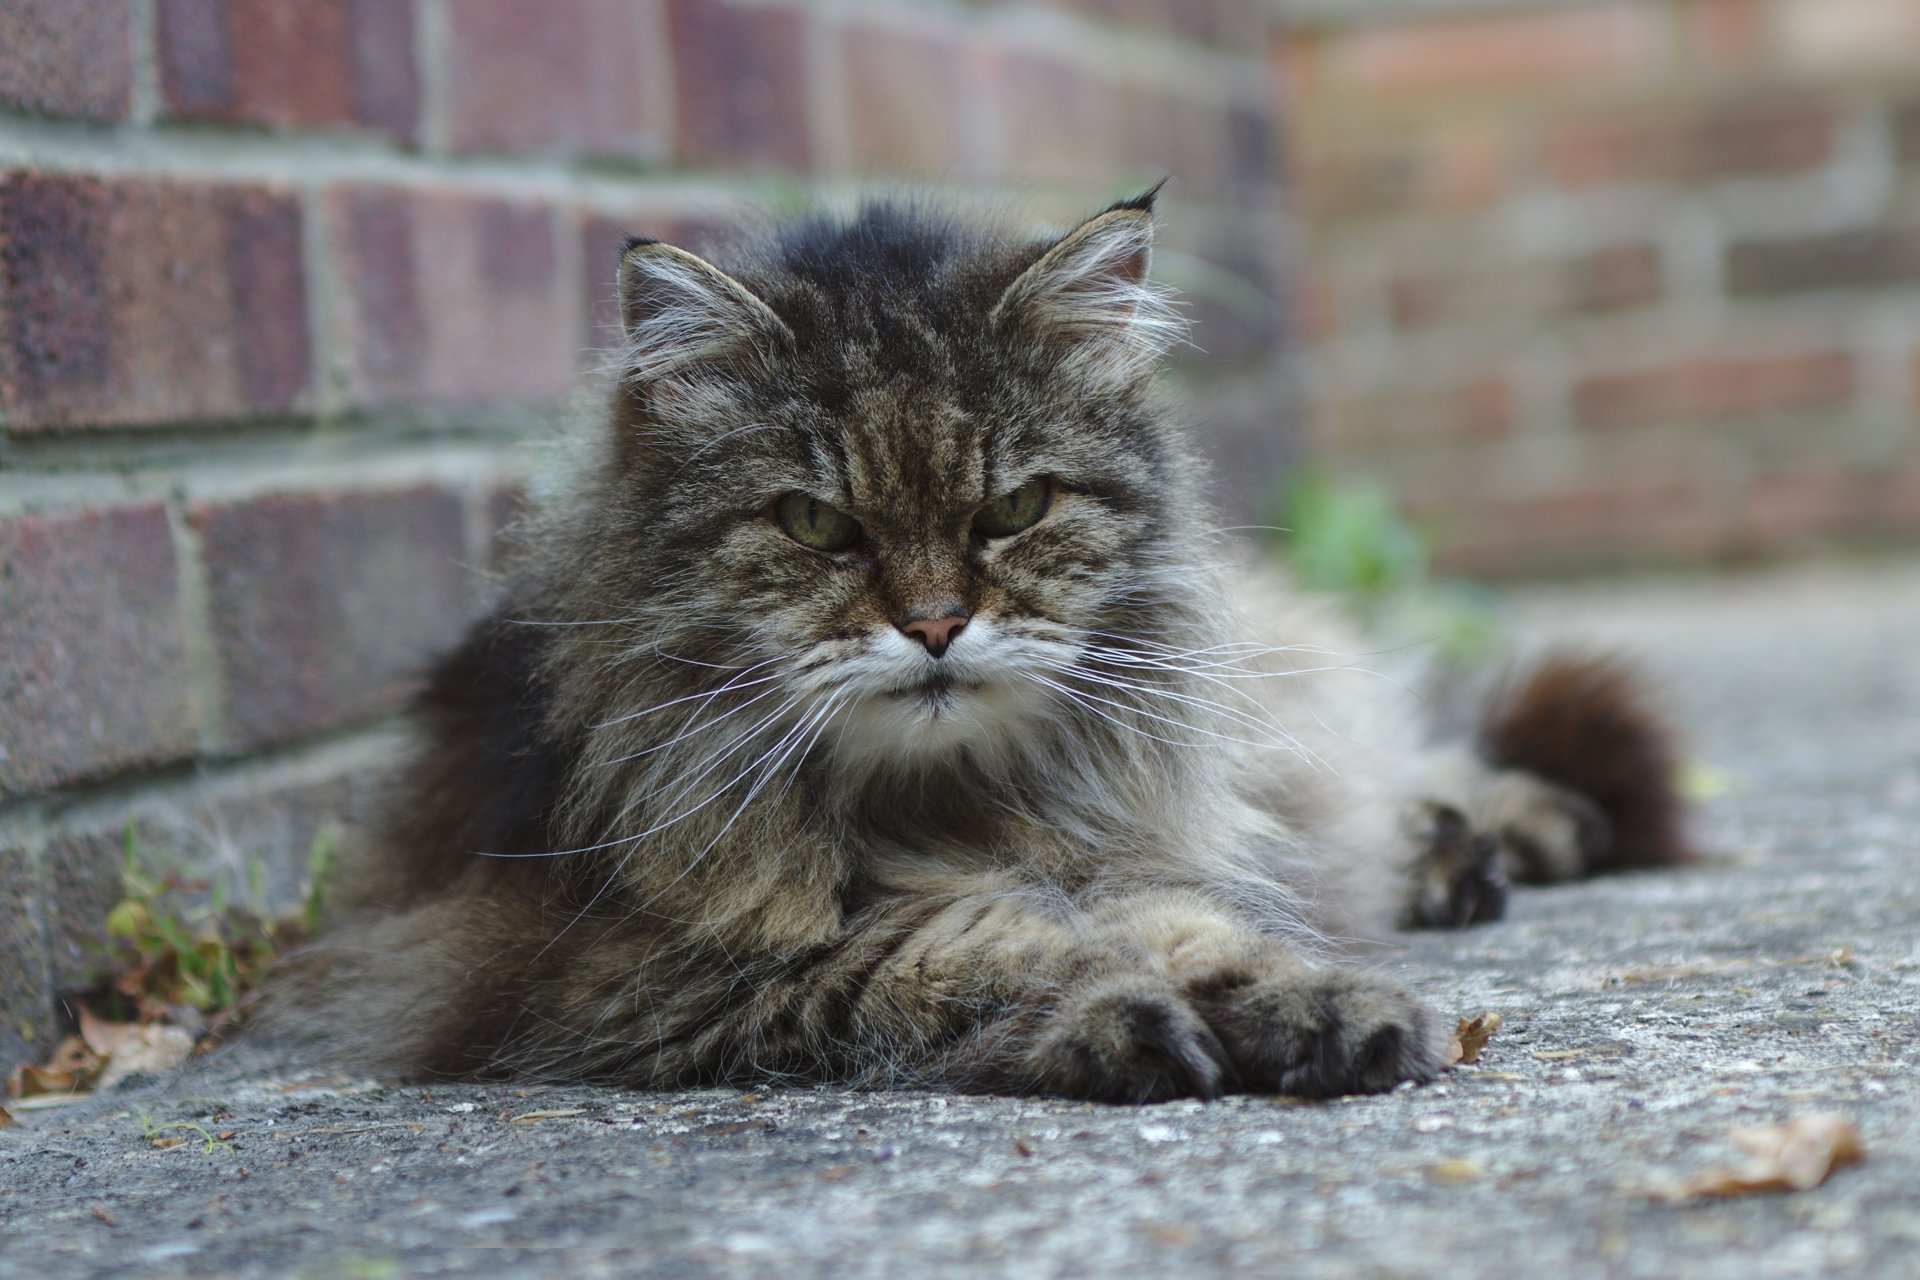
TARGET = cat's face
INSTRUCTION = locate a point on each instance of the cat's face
(914, 507)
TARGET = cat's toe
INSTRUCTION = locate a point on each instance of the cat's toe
(1320, 1034)
(1131, 1040)
(1547, 833)
(1458, 879)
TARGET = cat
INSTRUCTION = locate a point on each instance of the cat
(879, 707)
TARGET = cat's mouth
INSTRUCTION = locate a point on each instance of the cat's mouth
(936, 693)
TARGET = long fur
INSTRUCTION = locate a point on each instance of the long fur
(694, 805)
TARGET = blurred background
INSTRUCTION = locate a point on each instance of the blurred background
(1479, 286)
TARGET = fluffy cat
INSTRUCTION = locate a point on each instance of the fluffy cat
(877, 710)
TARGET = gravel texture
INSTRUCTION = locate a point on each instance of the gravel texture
(1644, 1016)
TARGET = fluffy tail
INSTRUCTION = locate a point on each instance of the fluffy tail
(1587, 724)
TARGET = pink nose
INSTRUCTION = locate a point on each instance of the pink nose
(935, 633)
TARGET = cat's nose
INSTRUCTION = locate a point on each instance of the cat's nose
(935, 633)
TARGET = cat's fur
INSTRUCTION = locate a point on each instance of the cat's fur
(696, 805)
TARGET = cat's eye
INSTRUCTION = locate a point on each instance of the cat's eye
(812, 523)
(1010, 513)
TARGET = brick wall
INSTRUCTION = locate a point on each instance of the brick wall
(1617, 280)
(284, 286)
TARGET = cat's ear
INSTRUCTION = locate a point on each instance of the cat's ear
(1089, 296)
(678, 311)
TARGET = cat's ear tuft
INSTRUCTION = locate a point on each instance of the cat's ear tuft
(677, 311)
(1090, 297)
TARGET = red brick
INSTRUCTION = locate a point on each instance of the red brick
(1861, 257)
(1313, 311)
(1609, 521)
(1207, 21)
(1526, 52)
(1764, 136)
(1478, 408)
(566, 75)
(906, 103)
(451, 297)
(66, 57)
(1799, 509)
(132, 301)
(314, 64)
(1726, 35)
(1058, 121)
(1454, 169)
(1416, 300)
(1716, 388)
(93, 650)
(740, 85)
(1618, 276)
(1906, 133)
(324, 607)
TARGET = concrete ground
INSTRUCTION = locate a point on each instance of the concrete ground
(1644, 1015)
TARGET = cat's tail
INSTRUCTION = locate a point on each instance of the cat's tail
(1587, 723)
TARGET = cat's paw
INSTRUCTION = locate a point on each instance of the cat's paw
(1129, 1039)
(1544, 832)
(1317, 1033)
(1458, 878)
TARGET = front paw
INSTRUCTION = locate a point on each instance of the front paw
(1317, 1033)
(1129, 1039)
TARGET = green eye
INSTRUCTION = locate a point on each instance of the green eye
(812, 523)
(1010, 513)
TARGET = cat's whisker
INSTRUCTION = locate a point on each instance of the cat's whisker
(1260, 724)
(697, 726)
(703, 695)
(1270, 744)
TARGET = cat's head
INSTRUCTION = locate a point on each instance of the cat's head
(904, 471)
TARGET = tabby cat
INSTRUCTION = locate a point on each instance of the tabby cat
(878, 708)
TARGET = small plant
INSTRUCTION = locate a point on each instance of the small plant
(1347, 538)
(182, 943)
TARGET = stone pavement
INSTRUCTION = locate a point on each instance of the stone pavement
(1644, 1015)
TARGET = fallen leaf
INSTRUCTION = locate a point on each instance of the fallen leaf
(148, 1049)
(104, 1037)
(101, 1212)
(1471, 1037)
(6, 1118)
(73, 1056)
(1020, 1147)
(164, 1143)
(33, 1082)
(1454, 1171)
(1558, 1055)
(1796, 1156)
(836, 1172)
(531, 1117)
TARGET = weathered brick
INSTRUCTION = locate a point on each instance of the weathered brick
(1726, 35)
(905, 98)
(325, 606)
(1906, 132)
(1058, 121)
(1475, 408)
(26, 994)
(1618, 276)
(93, 650)
(1449, 169)
(1194, 141)
(66, 57)
(451, 297)
(1207, 21)
(740, 85)
(1606, 521)
(566, 75)
(132, 301)
(318, 63)
(1768, 135)
(1862, 257)
(1716, 388)
(1821, 37)
(1799, 508)
(1531, 52)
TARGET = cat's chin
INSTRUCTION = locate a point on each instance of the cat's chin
(938, 716)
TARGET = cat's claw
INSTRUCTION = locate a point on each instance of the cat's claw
(1320, 1034)
(1132, 1040)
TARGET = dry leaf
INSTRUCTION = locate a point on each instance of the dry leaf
(6, 1118)
(1471, 1037)
(1454, 1171)
(1797, 1156)
(103, 1037)
(151, 1048)
(531, 1117)
(105, 1215)
(1558, 1055)
(34, 1082)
